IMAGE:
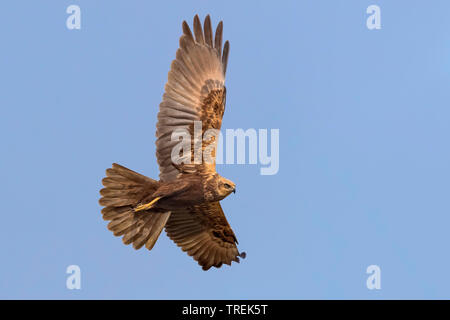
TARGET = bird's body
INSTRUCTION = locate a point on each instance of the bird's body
(186, 199)
(186, 191)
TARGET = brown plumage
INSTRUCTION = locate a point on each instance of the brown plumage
(186, 199)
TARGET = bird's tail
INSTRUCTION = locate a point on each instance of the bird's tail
(124, 190)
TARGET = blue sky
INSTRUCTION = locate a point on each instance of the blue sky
(364, 158)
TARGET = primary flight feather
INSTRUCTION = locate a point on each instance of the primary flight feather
(185, 202)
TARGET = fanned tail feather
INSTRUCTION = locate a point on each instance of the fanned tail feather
(124, 190)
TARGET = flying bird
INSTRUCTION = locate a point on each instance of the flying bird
(186, 200)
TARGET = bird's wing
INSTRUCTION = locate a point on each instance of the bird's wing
(195, 91)
(204, 233)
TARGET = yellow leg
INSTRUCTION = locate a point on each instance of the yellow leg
(147, 205)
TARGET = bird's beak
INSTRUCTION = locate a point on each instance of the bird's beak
(234, 190)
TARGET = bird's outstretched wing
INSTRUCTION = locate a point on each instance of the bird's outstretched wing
(204, 233)
(195, 91)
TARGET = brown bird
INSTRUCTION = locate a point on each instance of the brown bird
(186, 199)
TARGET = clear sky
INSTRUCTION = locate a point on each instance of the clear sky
(364, 175)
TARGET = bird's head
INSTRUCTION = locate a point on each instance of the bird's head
(225, 187)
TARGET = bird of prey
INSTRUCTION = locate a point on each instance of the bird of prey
(185, 201)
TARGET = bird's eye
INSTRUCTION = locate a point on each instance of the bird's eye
(227, 186)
